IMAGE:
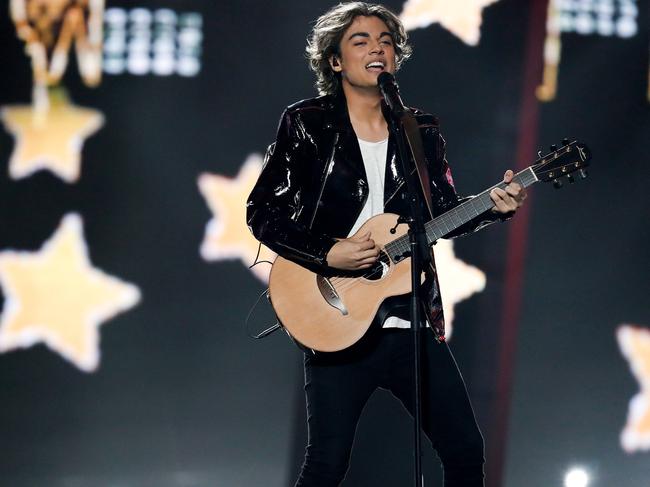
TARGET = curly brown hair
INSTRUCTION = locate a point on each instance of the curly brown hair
(325, 39)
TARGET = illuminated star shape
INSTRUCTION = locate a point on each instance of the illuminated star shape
(458, 280)
(49, 139)
(56, 296)
(635, 346)
(462, 18)
(226, 236)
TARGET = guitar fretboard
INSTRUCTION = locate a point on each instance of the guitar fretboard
(446, 223)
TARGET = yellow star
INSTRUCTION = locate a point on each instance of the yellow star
(55, 296)
(458, 280)
(49, 139)
(462, 18)
(227, 236)
(635, 346)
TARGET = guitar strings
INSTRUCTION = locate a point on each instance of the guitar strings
(400, 244)
(396, 244)
(524, 178)
(449, 220)
(349, 282)
(346, 283)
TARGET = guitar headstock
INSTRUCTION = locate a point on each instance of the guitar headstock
(572, 157)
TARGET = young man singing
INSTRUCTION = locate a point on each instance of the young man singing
(333, 166)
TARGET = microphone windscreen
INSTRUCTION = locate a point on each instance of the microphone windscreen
(385, 78)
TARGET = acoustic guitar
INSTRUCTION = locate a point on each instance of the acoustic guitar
(331, 312)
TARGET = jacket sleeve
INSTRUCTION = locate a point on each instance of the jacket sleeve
(443, 187)
(275, 205)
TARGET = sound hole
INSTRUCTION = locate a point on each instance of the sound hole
(380, 269)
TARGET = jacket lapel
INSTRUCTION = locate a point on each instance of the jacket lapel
(347, 151)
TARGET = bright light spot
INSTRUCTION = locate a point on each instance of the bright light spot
(138, 64)
(566, 22)
(188, 66)
(629, 8)
(165, 16)
(114, 65)
(605, 26)
(140, 16)
(626, 27)
(576, 477)
(163, 65)
(584, 24)
(115, 16)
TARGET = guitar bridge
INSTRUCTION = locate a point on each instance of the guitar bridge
(330, 295)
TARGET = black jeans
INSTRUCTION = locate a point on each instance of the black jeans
(338, 385)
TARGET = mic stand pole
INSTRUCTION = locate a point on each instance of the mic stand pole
(420, 256)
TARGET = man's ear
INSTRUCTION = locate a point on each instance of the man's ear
(335, 64)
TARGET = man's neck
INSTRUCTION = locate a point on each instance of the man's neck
(364, 108)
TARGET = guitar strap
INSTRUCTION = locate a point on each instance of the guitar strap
(414, 139)
(412, 133)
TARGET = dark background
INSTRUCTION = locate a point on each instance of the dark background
(183, 398)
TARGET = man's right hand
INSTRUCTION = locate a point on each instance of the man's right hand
(353, 253)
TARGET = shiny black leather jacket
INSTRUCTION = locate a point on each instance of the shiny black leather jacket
(313, 187)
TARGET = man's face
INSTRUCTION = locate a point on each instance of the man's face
(366, 50)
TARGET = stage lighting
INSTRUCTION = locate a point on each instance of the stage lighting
(159, 42)
(576, 477)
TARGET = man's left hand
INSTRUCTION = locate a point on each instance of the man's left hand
(509, 199)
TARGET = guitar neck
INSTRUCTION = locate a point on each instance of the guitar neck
(446, 223)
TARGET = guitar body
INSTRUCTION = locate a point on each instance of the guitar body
(330, 314)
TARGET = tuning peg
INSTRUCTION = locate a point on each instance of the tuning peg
(557, 184)
(553, 148)
(565, 141)
(570, 178)
(539, 153)
(583, 173)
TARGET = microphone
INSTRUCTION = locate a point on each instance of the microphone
(390, 91)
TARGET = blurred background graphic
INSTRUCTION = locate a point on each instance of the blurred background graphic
(132, 132)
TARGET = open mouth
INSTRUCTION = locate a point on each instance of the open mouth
(376, 66)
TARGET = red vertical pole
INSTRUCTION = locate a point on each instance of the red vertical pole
(516, 244)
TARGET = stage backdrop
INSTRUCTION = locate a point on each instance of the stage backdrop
(132, 132)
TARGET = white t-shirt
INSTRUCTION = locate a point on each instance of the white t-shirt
(374, 161)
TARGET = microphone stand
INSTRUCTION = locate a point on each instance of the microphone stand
(420, 254)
